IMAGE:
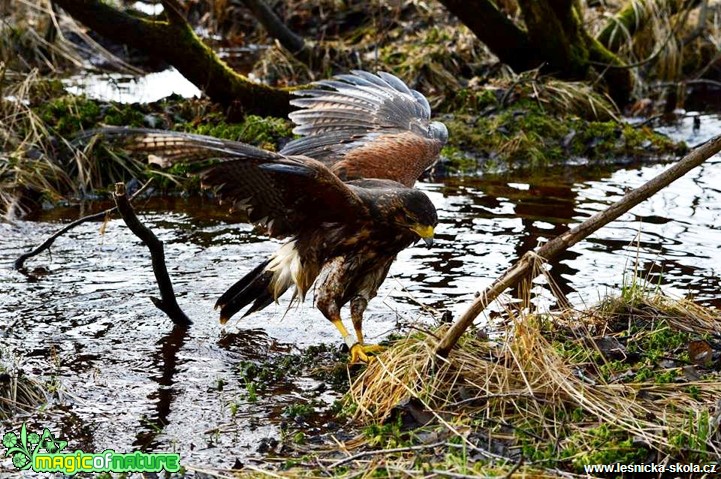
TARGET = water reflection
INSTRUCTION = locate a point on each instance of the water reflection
(126, 88)
(165, 361)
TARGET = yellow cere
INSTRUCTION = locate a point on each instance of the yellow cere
(423, 230)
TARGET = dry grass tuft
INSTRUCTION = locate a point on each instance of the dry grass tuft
(554, 394)
(26, 149)
(31, 39)
(576, 98)
(18, 393)
(37, 163)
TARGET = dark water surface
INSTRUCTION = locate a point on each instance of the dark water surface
(127, 380)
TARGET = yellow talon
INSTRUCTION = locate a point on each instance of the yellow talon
(373, 348)
(359, 353)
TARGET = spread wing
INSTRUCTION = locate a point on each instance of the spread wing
(363, 125)
(280, 192)
(285, 194)
(166, 147)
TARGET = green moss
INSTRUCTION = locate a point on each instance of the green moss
(657, 341)
(259, 131)
(300, 410)
(323, 362)
(610, 369)
(299, 438)
(691, 440)
(69, 114)
(526, 136)
(606, 445)
(575, 351)
(388, 435)
(124, 115)
(251, 389)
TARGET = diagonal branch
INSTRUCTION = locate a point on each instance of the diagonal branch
(307, 52)
(167, 302)
(553, 248)
(19, 264)
(295, 44)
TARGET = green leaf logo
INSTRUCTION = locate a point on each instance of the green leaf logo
(23, 448)
(10, 439)
(17, 448)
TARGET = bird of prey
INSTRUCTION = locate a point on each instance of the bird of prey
(342, 193)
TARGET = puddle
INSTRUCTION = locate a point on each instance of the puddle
(125, 88)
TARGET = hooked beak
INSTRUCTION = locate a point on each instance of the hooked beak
(425, 232)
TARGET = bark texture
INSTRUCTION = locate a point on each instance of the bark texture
(554, 40)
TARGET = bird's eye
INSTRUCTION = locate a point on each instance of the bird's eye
(404, 218)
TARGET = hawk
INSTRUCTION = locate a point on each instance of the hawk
(342, 193)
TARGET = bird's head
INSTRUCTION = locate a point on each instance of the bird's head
(418, 214)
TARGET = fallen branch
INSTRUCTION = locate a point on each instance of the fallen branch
(523, 267)
(20, 262)
(167, 302)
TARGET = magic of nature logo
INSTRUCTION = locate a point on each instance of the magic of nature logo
(45, 453)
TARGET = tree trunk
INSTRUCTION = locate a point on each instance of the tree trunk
(175, 42)
(556, 33)
(556, 28)
(492, 27)
(554, 40)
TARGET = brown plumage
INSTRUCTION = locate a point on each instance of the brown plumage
(367, 126)
(342, 193)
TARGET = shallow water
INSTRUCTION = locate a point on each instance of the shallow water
(127, 88)
(128, 380)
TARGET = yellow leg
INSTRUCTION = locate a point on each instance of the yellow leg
(358, 332)
(357, 352)
(367, 348)
(357, 308)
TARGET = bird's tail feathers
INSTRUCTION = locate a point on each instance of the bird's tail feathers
(254, 288)
(265, 284)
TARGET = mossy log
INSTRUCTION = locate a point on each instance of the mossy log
(174, 41)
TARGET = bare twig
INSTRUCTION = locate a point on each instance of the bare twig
(167, 302)
(514, 469)
(292, 42)
(20, 262)
(553, 248)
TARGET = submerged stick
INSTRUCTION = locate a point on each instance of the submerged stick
(20, 262)
(167, 302)
(550, 250)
